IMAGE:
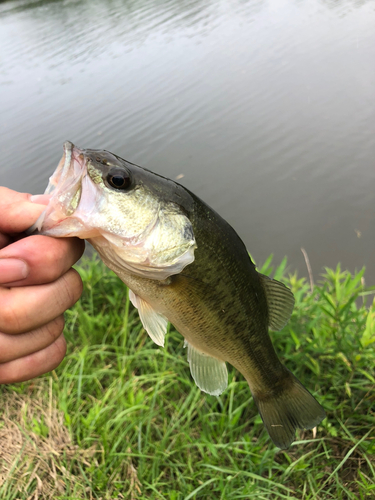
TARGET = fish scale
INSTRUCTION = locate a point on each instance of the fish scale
(183, 263)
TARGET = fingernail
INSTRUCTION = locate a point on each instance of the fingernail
(12, 270)
(41, 199)
(36, 197)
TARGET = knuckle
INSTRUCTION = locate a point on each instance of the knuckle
(9, 318)
(55, 328)
(60, 253)
(51, 257)
(3, 350)
(59, 351)
(52, 253)
(6, 376)
(72, 284)
(35, 364)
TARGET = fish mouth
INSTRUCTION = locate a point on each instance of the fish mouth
(71, 164)
(64, 188)
(62, 169)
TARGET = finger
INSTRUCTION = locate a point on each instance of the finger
(27, 308)
(34, 364)
(18, 346)
(38, 259)
(18, 212)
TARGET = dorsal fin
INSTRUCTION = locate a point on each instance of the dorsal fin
(280, 301)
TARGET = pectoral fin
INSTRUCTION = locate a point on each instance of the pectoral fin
(280, 302)
(210, 374)
(153, 322)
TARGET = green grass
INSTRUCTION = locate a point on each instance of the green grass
(122, 418)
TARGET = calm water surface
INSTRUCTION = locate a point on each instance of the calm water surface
(266, 108)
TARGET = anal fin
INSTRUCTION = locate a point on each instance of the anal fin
(210, 374)
(153, 322)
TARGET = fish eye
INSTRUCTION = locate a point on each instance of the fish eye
(118, 179)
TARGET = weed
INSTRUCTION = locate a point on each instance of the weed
(137, 427)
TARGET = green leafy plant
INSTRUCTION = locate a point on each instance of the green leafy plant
(147, 432)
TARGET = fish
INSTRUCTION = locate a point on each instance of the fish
(183, 264)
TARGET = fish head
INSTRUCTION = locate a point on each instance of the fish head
(137, 220)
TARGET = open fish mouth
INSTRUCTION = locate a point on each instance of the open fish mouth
(114, 204)
(62, 171)
(64, 188)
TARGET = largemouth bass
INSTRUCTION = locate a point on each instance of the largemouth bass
(183, 263)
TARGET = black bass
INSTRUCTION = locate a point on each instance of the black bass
(184, 264)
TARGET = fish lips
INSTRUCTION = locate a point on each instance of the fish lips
(68, 187)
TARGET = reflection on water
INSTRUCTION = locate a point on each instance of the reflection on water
(265, 107)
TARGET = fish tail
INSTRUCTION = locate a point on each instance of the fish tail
(286, 409)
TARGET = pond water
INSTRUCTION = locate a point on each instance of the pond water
(264, 109)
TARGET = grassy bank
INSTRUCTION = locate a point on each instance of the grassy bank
(122, 418)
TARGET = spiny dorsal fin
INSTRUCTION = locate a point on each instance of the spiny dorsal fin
(153, 322)
(280, 302)
(210, 374)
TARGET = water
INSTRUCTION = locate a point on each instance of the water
(266, 108)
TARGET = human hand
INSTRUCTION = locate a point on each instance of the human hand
(37, 285)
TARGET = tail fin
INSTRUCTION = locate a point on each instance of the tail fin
(291, 408)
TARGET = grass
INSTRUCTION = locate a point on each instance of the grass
(122, 418)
